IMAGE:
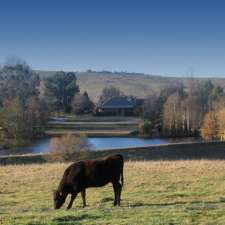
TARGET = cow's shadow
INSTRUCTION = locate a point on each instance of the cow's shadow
(72, 219)
(107, 199)
(140, 204)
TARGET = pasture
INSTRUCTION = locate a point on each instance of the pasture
(155, 192)
(93, 125)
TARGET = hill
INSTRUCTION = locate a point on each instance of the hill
(136, 84)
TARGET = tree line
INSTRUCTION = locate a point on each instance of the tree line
(26, 102)
(184, 111)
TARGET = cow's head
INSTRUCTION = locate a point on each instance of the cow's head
(59, 199)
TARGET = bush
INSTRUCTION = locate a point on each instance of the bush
(145, 128)
(68, 147)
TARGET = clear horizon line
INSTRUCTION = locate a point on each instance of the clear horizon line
(136, 73)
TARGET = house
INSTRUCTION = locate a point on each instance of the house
(119, 105)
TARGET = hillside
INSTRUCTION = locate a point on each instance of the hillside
(139, 85)
(156, 193)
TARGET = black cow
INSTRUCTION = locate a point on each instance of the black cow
(90, 173)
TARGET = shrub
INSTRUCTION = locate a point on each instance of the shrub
(145, 128)
(68, 147)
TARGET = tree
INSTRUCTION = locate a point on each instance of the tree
(23, 123)
(216, 98)
(152, 114)
(109, 92)
(152, 107)
(193, 107)
(18, 81)
(145, 128)
(37, 114)
(22, 112)
(12, 120)
(172, 116)
(221, 123)
(60, 90)
(81, 103)
(210, 129)
(171, 89)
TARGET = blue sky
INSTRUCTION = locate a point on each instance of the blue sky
(165, 37)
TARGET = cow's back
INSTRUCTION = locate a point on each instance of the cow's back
(95, 173)
(103, 171)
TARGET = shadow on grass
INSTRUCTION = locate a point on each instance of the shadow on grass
(74, 219)
(107, 200)
(144, 204)
(35, 223)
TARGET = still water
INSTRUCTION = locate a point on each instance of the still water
(99, 143)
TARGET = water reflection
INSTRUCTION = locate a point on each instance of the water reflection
(99, 143)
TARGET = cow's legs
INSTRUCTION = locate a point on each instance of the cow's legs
(73, 196)
(83, 195)
(117, 187)
(115, 193)
(119, 193)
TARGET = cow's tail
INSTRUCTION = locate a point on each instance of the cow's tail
(122, 177)
(121, 171)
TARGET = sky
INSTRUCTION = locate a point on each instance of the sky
(160, 37)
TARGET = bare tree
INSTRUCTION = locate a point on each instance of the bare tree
(109, 92)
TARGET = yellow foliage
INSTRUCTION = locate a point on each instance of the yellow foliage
(214, 125)
(209, 128)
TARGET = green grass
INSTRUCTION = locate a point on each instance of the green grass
(163, 192)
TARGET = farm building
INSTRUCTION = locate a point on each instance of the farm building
(119, 105)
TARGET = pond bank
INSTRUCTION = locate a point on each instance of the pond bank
(43, 145)
(190, 151)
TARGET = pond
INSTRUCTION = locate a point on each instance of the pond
(100, 143)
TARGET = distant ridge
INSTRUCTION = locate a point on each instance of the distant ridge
(137, 84)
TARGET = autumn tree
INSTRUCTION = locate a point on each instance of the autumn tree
(210, 128)
(172, 115)
(221, 123)
(214, 125)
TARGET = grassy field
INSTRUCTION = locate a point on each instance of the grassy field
(93, 125)
(163, 192)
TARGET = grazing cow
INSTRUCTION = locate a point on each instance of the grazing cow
(90, 173)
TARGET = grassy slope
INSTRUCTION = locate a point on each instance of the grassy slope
(175, 192)
(94, 126)
(131, 84)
